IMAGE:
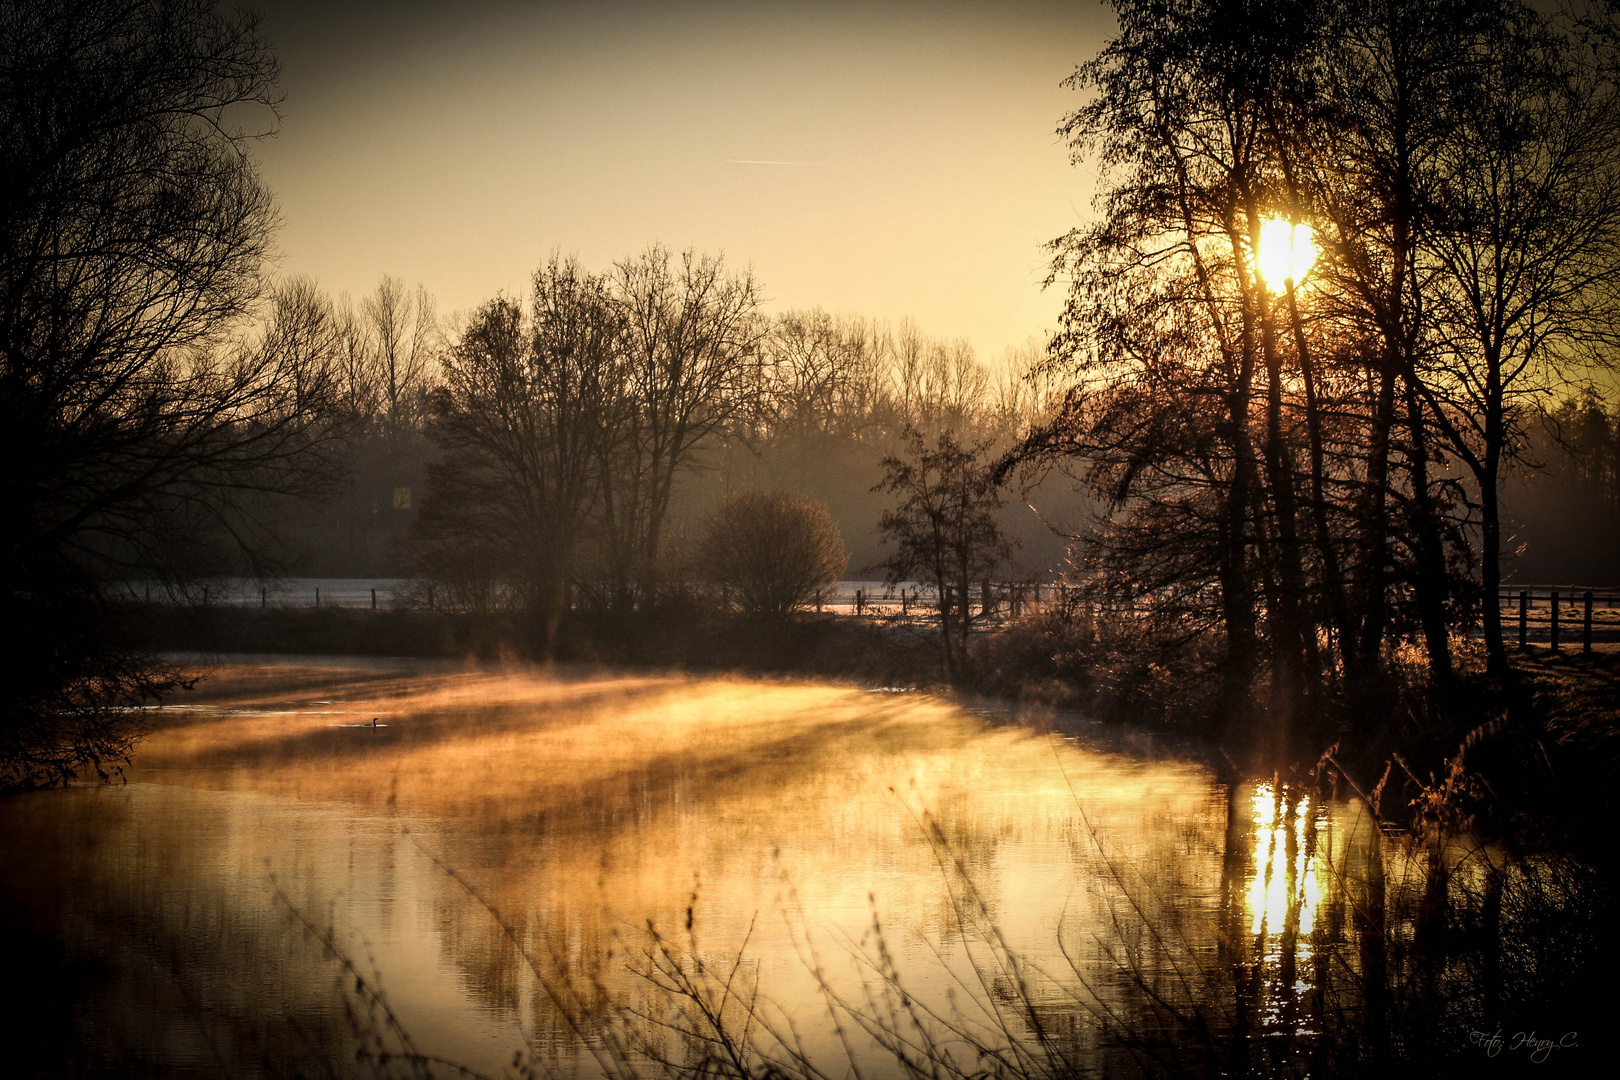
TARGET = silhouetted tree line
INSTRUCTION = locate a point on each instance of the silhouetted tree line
(1305, 468)
(817, 401)
(567, 422)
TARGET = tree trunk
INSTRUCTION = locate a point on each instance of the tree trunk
(1375, 532)
(947, 605)
(1288, 652)
(1496, 659)
(1237, 598)
(1332, 575)
(1431, 576)
(1488, 474)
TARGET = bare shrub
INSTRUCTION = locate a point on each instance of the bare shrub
(773, 551)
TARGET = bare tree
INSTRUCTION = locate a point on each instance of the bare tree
(1527, 259)
(690, 363)
(1023, 387)
(401, 339)
(1367, 160)
(478, 517)
(910, 362)
(944, 530)
(525, 407)
(823, 374)
(132, 234)
(361, 392)
(940, 385)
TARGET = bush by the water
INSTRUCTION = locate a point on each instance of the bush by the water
(773, 551)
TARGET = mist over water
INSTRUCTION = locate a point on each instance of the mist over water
(775, 820)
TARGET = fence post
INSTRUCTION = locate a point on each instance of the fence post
(373, 599)
(1555, 620)
(317, 596)
(1524, 619)
(860, 601)
(1586, 625)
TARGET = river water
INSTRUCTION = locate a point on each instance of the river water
(511, 857)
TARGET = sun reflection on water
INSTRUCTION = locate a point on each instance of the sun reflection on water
(1286, 877)
(1292, 851)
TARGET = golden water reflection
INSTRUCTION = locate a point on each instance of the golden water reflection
(1287, 883)
(584, 807)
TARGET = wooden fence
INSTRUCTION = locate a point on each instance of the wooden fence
(1563, 611)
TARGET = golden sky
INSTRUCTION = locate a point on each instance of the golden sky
(882, 159)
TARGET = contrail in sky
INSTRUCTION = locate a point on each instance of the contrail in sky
(752, 161)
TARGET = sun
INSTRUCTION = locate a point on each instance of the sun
(1287, 252)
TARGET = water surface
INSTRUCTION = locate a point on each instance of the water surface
(437, 822)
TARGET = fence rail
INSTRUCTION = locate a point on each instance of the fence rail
(373, 593)
(1561, 610)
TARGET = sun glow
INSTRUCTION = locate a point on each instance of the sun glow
(1287, 252)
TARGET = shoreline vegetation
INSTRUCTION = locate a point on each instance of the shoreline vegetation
(1526, 759)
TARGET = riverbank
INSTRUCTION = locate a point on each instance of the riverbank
(872, 652)
(1529, 760)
